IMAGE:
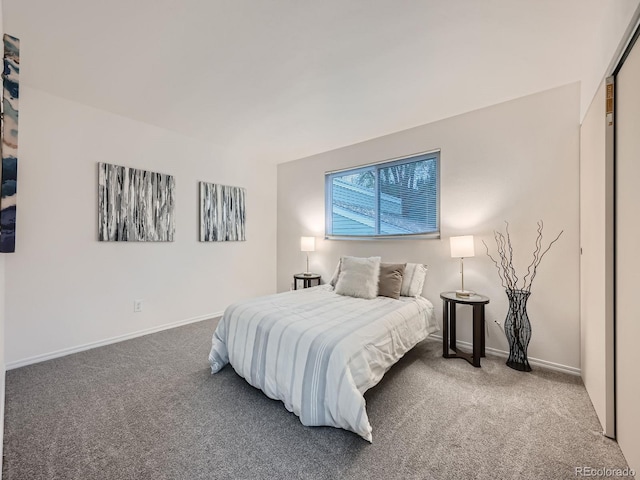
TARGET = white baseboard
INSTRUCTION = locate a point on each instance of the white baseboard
(100, 343)
(533, 361)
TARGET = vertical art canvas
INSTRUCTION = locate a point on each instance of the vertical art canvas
(135, 205)
(10, 94)
(222, 213)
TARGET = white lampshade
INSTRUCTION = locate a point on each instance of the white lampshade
(307, 244)
(462, 247)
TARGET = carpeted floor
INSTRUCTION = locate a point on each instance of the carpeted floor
(148, 408)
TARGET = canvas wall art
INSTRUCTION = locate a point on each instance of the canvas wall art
(222, 213)
(10, 95)
(135, 205)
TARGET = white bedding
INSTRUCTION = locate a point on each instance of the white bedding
(319, 352)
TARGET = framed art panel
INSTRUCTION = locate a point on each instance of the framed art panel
(222, 213)
(135, 205)
(9, 181)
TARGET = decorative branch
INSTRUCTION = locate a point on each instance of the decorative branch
(496, 264)
(506, 271)
(513, 270)
(540, 257)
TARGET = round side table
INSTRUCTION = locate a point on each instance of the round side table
(449, 303)
(306, 278)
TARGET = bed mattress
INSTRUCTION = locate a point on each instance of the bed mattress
(319, 352)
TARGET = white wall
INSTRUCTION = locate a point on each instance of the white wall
(516, 161)
(66, 289)
(596, 262)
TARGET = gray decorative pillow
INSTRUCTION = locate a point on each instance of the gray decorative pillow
(413, 280)
(358, 277)
(390, 281)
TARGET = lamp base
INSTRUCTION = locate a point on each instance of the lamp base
(464, 293)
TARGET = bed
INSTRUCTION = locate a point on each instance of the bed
(319, 352)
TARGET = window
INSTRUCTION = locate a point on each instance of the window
(390, 199)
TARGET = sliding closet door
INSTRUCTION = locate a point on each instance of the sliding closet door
(628, 257)
(596, 259)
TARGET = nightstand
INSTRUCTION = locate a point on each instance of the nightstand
(449, 303)
(306, 278)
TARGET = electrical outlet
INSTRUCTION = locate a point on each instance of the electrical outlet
(137, 306)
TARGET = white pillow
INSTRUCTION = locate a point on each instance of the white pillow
(359, 277)
(413, 280)
(336, 274)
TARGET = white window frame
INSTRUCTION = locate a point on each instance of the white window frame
(415, 157)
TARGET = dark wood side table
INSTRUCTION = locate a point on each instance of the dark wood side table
(449, 303)
(306, 278)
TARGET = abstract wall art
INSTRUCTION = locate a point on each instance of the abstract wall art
(222, 213)
(10, 95)
(135, 205)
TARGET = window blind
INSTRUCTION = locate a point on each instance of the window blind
(395, 198)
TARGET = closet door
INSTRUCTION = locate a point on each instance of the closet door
(627, 156)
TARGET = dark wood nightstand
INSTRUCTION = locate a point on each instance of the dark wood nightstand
(449, 304)
(306, 278)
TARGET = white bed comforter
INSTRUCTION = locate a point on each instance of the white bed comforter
(319, 352)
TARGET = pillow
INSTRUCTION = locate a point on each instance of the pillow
(336, 274)
(413, 280)
(390, 281)
(358, 277)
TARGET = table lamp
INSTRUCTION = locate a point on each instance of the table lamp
(462, 247)
(307, 244)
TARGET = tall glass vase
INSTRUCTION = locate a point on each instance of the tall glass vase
(518, 330)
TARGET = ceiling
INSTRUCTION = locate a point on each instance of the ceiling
(283, 79)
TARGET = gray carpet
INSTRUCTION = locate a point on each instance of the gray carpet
(149, 409)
